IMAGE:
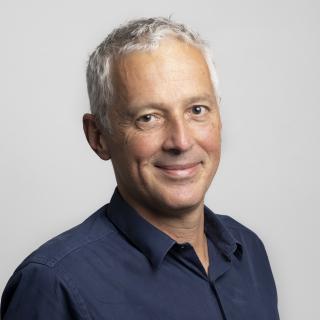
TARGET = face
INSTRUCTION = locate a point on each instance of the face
(165, 129)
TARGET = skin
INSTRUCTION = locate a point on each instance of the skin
(164, 142)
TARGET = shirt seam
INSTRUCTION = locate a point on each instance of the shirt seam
(59, 259)
(66, 280)
(75, 293)
(55, 261)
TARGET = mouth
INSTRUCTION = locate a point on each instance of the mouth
(187, 170)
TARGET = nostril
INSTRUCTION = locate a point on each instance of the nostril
(174, 151)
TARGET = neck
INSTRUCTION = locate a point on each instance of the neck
(184, 228)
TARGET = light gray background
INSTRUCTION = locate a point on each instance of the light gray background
(267, 53)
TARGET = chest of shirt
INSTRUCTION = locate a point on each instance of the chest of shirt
(128, 287)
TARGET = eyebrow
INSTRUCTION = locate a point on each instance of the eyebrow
(190, 100)
(203, 97)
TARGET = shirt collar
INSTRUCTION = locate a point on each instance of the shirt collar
(152, 242)
(155, 244)
(223, 239)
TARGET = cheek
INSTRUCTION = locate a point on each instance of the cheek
(210, 140)
(143, 146)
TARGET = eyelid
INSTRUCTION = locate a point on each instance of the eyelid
(203, 106)
(155, 122)
(147, 114)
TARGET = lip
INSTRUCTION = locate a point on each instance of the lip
(179, 170)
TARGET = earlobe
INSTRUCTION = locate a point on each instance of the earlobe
(95, 137)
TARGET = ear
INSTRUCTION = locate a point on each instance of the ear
(95, 137)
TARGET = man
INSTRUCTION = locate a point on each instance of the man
(155, 251)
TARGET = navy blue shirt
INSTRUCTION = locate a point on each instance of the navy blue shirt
(116, 265)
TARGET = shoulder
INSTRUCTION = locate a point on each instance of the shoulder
(50, 274)
(252, 248)
(37, 291)
(72, 242)
(235, 226)
(244, 235)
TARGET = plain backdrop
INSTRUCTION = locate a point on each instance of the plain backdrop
(267, 55)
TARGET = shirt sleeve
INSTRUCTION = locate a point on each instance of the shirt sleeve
(37, 291)
(269, 279)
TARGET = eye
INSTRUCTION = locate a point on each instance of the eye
(198, 109)
(149, 121)
(147, 118)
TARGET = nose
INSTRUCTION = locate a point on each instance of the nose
(178, 136)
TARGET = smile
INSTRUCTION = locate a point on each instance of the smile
(180, 170)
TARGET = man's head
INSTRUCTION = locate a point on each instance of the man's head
(151, 84)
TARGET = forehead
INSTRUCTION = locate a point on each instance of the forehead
(174, 68)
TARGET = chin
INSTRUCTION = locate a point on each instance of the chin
(180, 202)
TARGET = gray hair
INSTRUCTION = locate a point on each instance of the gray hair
(136, 35)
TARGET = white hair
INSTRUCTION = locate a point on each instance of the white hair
(136, 35)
